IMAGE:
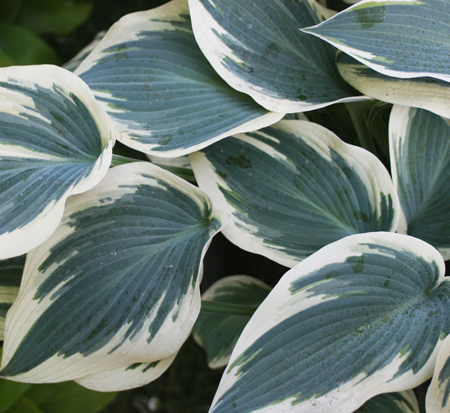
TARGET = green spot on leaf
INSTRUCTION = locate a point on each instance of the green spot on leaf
(356, 263)
(369, 17)
(361, 216)
(165, 140)
(239, 161)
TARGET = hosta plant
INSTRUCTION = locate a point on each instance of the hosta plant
(230, 96)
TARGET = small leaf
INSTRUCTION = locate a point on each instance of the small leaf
(218, 333)
(116, 284)
(258, 49)
(10, 276)
(403, 402)
(420, 164)
(53, 16)
(163, 95)
(400, 38)
(55, 141)
(293, 188)
(363, 316)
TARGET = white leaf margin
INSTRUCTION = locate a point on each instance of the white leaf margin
(429, 94)
(26, 311)
(126, 29)
(371, 171)
(280, 305)
(25, 238)
(363, 56)
(214, 49)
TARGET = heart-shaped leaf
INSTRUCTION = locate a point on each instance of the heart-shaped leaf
(294, 187)
(116, 284)
(55, 141)
(361, 317)
(161, 92)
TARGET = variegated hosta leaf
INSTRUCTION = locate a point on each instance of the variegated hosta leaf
(55, 141)
(124, 378)
(400, 38)
(402, 402)
(218, 333)
(420, 158)
(257, 47)
(116, 284)
(163, 95)
(295, 187)
(426, 92)
(363, 316)
(10, 276)
(438, 394)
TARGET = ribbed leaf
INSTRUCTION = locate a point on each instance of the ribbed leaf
(161, 92)
(10, 275)
(426, 92)
(116, 284)
(295, 187)
(257, 47)
(363, 316)
(403, 402)
(400, 38)
(438, 395)
(420, 158)
(218, 333)
(55, 141)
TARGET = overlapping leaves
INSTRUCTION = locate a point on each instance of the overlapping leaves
(257, 47)
(424, 92)
(404, 39)
(117, 283)
(160, 91)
